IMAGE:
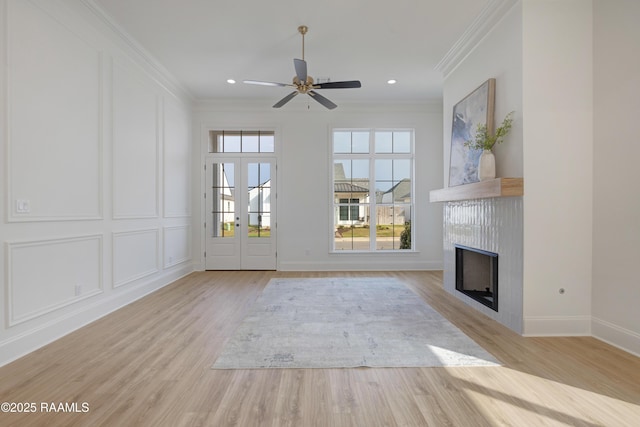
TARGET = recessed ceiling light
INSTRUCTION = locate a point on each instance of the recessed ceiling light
(392, 81)
(231, 81)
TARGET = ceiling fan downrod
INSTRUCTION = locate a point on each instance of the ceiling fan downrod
(302, 29)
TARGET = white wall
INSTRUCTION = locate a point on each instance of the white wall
(497, 55)
(304, 177)
(616, 239)
(493, 225)
(558, 165)
(540, 53)
(580, 92)
(97, 150)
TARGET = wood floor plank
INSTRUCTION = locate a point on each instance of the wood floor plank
(149, 364)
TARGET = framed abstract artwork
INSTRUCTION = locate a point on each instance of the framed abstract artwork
(476, 108)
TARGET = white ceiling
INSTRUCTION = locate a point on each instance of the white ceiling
(202, 43)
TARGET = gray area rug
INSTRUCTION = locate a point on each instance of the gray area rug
(346, 323)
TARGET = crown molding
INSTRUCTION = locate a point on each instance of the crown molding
(264, 105)
(168, 80)
(493, 12)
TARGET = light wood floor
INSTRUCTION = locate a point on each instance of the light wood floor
(148, 364)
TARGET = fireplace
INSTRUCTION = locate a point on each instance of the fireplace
(495, 225)
(477, 275)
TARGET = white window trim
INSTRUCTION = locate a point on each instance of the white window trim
(371, 156)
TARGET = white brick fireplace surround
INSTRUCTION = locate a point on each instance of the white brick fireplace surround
(493, 224)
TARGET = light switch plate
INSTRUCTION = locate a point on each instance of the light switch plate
(23, 206)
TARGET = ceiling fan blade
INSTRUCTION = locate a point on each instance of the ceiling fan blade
(352, 84)
(257, 82)
(285, 99)
(322, 100)
(301, 69)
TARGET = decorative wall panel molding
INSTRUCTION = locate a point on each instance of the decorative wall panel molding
(135, 142)
(54, 117)
(177, 245)
(135, 255)
(177, 160)
(46, 275)
(81, 133)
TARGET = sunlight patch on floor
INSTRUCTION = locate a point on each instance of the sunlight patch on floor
(543, 401)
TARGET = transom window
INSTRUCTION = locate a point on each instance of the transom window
(372, 189)
(241, 141)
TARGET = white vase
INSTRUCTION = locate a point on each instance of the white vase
(487, 166)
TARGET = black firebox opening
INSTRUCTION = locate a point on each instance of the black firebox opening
(477, 275)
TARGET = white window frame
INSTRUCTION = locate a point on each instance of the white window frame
(371, 156)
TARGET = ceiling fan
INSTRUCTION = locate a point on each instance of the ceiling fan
(303, 83)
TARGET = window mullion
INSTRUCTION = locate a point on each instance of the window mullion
(372, 192)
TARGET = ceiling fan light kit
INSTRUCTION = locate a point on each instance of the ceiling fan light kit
(304, 83)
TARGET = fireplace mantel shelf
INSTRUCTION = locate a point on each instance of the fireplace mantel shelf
(498, 187)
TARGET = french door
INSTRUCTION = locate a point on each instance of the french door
(240, 221)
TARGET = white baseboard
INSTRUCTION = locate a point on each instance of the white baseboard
(549, 326)
(355, 265)
(566, 326)
(30, 340)
(619, 337)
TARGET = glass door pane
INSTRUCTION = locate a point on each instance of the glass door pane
(223, 203)
(259, 199)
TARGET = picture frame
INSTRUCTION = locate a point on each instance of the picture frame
(476, 108)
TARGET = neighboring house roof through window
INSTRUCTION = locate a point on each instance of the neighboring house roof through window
(346, 187)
